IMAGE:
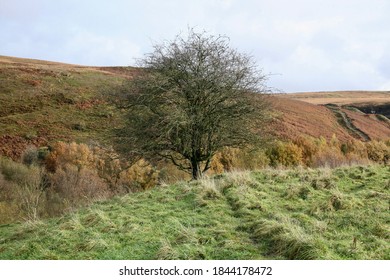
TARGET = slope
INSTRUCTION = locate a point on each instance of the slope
(285, 214)
(42, 102)
(300, 118)
(361, 114)
(342, 97)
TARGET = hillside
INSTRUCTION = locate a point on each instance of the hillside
(369, 102)
(361, 115)
(42, 102)
(270, 214)
(342, 97)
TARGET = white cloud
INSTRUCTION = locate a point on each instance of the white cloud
(313, 44)
(384, 86)
(92, 49)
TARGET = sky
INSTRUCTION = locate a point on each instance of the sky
(303, 45)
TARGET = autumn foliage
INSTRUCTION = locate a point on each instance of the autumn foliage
(52, 180)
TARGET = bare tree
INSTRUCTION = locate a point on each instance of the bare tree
(195, 96)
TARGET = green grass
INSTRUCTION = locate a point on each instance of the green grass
(271, 214)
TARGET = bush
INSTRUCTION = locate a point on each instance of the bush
(75, 186)
(378, 152)
(8, 212)
(16, 172)
(21, 189)
(169, 173)
(285, 154)
(230, 159)
(308, 147)
(140, 176)
(30, 155)
(30, 198)
(254, 159)
(320, 153)
(355, 147)
(5, 189)
(73, 153)
(331, 157)
(225, 160)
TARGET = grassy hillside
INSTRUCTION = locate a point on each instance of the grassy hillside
(271, 214)
(372, 103)
(43, 102)
(342, 97)
(343, 113)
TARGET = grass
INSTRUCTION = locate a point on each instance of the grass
(271, 214)
(343, 97)
(56, 102)
(44, 102)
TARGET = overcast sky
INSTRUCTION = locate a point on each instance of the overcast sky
(306, 45)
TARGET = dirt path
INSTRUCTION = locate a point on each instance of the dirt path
(346, 122)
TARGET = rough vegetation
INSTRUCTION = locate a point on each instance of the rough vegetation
(271, 214)
(65, 193)
(52, 181)
(44, 102)
(41, 103)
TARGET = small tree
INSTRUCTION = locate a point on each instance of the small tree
(195, 96)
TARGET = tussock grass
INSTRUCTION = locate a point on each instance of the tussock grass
(269, 214)
(286, 238)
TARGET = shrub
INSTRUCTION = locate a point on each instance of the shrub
(334, 142)
(76, 186)
(254, 159)
(169, 173)
(378, 152)
(16, 172)
(8, 212)
(225, 160)
(230, 159)
(21, 189)
(30, 200)
(30, 155)
(331, 157)
(285, 154)
(140, 176)
(5, 189)
(308, 147)
(355, 147)
(73, 153)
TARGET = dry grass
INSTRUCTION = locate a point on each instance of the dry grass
(370, 125)
(300, 118)
(342, 97)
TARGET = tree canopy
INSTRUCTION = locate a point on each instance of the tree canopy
(194, 96)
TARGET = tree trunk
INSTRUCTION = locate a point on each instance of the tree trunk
(196, 171)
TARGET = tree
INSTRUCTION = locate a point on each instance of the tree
(194, 96)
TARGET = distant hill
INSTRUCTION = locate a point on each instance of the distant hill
(358, 114)
(377, 102)
(342, 97)
(42, 102)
